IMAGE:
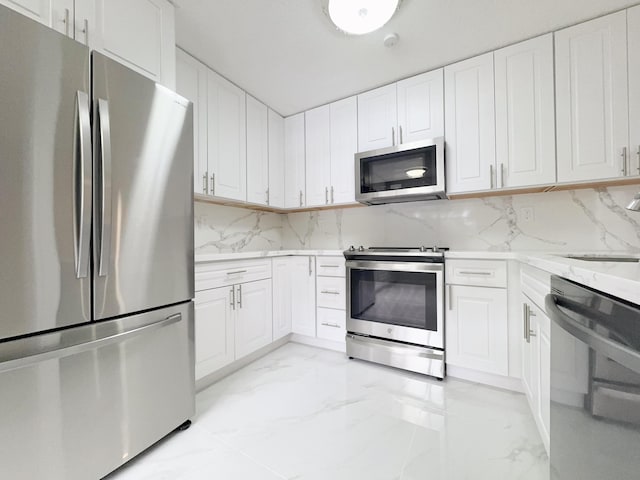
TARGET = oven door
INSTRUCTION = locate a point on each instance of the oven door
(398, 301)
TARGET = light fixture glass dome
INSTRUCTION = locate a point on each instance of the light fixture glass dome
(361, 16)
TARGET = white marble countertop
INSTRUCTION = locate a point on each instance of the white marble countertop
(620, 279)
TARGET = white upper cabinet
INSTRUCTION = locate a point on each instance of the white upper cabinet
(344, 145)
(191, 83)
(525, 117)
(294, 162)
(377, 118)
(421, 107)
(318, 152)
(56, 14)
(276, 160)
(227, 154)
(257, 152)
(137, 33)
(470, 125)
(592, 99)
(633, 24)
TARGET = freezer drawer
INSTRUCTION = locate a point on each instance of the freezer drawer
(77, 404)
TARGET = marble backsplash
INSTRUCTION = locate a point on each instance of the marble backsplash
(580, 220)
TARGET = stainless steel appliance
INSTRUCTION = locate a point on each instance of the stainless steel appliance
(595, 384)
(395, 313)
(407, 172)
(96, 258)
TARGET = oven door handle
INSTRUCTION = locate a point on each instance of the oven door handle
(396, 266)
(614, 350)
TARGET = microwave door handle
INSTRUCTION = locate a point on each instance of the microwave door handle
(104, 197)
(614, 350)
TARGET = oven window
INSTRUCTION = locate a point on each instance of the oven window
(415, 168)
(397, 298)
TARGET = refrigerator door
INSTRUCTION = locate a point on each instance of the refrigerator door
(143, 192)
(45, 178)
(80, 402)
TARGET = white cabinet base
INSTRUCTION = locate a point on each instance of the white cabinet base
(508, 383)
(319, 342)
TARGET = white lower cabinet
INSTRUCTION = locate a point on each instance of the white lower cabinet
(331, 324)
(476, 329)
(214, 330)
(282, 298)
(253, 322)
(303, 296)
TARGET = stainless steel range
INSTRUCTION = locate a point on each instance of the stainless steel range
(395, 313)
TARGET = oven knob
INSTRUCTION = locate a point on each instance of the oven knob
(361, 248)
(423, 249)
(352, 248)
(435, 249)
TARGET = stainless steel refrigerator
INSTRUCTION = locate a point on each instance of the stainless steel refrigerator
(96, 258)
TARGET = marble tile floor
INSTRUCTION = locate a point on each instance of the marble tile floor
(307, 414)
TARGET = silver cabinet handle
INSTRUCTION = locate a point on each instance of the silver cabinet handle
(65, 20)
(502, 175)
(525, 319)
(300, 197)
(327, 324)
(82, 198)
(332, 194)
(638, 154)
(326, 195)
(475, 273)
(329, 266)
(237, 272)
(103, 135)
(623, 157)
(330, 292)
(450, 297)
(86, 31)
(310, 267)
(213, 184)
(240, 296)
(232, 298)
(400, 131)
(205, 184)
(393, 136)
(267, 196)
(491, 176)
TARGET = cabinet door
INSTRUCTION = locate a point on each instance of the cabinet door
(191, 83)
(633, 25)
(214, 330)
(56, 14)
(525, 116)
(138, 33)
(254, 323)
(344, 145)
(591, 99)
(257, 152)
(470, 125)
(227, 138)
(294, 175)
(421, 107)
(544, 375)
(281, 297)
(477, 329)
(317, 155)
(276, 160)
(332, 324)
(303, 296)
(84, 23)
(377, 118)
(529, 356)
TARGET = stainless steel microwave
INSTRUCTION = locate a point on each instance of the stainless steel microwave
(407, 172)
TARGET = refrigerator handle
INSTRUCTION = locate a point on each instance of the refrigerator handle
(104, 197)
(82, 179)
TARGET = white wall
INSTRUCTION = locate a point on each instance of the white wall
(581, 220)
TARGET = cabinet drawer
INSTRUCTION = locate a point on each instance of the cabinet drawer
(331, 324)
(483, 273)
(331, 266)
(221, 274)
(331, 292)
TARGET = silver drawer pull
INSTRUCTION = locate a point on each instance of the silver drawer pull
(334, 325)
(475, 273)
(331, 292)
(329, 266)
(237, 272)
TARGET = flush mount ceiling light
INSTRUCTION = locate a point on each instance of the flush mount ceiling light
(417, 172)
(358, 17)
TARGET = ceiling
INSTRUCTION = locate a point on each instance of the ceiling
(287, 54)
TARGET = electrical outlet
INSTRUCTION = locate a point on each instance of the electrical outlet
(526, 214)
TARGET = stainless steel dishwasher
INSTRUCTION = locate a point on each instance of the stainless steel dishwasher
(595, 384)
